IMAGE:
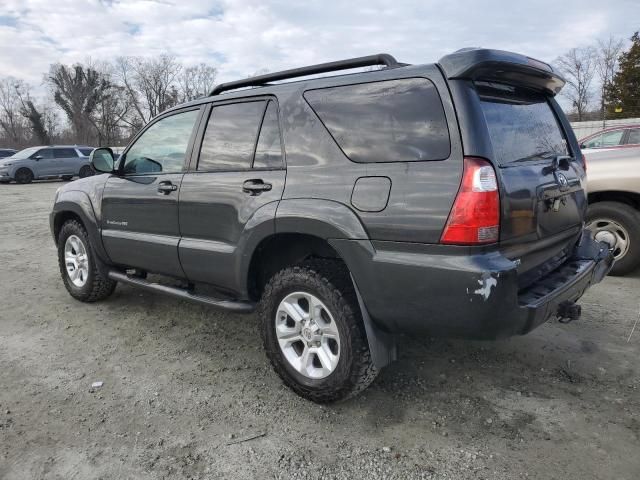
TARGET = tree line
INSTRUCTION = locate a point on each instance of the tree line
(603, 80)
(102, 103)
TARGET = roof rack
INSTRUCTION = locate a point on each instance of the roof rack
(369, 60)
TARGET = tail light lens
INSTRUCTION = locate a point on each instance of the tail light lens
(475, 216)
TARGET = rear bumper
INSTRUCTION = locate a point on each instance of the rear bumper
(462, 292)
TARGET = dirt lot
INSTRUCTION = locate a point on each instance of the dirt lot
(185, 386)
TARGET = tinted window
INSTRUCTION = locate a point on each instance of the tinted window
(269, 149)
(6, 153)
(64, 152)
(163, 146)
(45, 153)
(521, 124)
(391, 121)
(634, 136)
(230, 138)
(86, 151)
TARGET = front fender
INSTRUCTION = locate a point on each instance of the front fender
(79, 204)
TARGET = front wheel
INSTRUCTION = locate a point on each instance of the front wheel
(78, 265)
(617, 224)
(313, 333)
(24, 176)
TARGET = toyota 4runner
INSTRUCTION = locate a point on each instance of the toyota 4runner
(443, 199)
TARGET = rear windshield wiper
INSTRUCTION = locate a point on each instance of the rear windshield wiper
(542, 156)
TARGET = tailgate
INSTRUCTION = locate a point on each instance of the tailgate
(543, 201)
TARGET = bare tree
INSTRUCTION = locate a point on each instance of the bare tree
(607, 53)
(578, 66)
(150, 83)
(78, 90)
(12, 123)
(196, 81)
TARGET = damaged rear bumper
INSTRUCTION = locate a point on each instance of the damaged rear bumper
(463, 292)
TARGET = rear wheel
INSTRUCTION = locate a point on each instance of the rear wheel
(313, 333)
(78, 265)
(23, 176)
(617, 224)
(86, 171)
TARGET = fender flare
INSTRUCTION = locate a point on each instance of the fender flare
(79, 203)
(327, 220)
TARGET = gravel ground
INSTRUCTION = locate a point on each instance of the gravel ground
(186, 388)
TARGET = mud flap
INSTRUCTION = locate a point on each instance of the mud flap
(382, 345)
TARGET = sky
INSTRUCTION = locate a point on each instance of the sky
(240, 37)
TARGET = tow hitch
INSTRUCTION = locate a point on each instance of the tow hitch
(568, 311)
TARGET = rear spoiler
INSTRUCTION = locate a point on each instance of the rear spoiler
(501, 66)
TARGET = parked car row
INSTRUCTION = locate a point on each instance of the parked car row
(38, 163)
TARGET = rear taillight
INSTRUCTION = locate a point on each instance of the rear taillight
(475, 216)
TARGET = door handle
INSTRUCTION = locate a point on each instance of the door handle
(255, 187)
(167, 187)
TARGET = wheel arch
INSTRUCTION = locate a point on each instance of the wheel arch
(630, 198)
(77, 205)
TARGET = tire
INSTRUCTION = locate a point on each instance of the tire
(96, 286)
(329, 282)
(24, 176)
(86, 171)
(624, 222)
(66, 178)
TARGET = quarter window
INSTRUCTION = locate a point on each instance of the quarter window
(163, 146)
(269, 148)
(230, 139)
(389, 121)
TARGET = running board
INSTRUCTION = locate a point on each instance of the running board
(229, 305)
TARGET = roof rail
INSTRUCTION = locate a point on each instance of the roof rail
(369, 60)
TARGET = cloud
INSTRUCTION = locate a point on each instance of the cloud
(241, 37)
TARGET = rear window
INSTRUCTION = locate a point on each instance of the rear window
(521, 124)
(390, 121)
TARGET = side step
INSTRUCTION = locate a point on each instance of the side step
(229, 305)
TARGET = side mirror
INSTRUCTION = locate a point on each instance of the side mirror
(102, 160)
(37, 157)
(582, 145)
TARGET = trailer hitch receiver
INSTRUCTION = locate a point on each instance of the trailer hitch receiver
(568, 311)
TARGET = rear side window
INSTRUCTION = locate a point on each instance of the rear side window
(230, 139)
(86, 151)
(521, 124)
(390, 121)
(269, 148)
(64, 153)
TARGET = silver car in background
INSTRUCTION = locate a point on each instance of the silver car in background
(613, 177)
(37, 163)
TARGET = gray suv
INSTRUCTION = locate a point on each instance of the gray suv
(37, 163)
(442, 199)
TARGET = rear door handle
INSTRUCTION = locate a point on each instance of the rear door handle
(167, 187)
(255, 187)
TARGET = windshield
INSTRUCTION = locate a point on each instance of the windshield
(26, 153)
(521, 124)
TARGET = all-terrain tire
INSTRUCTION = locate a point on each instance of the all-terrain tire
(329, 281)
(24, 176)
(98, 286)
(628, 218)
